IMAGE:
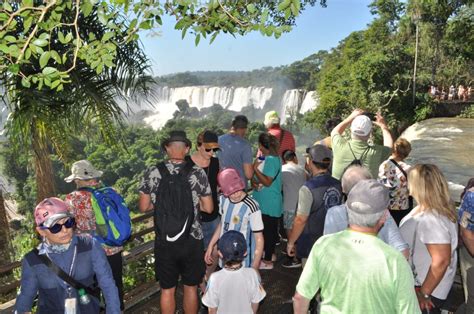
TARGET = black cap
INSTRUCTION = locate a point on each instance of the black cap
(176, 136)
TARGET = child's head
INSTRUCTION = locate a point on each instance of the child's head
(230, 181)
(232, 247)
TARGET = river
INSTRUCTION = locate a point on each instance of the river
(447, 143)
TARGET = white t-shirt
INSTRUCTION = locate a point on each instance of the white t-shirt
(293, 177)
(431, 228)
(233, 291)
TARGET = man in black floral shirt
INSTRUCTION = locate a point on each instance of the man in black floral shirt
(185, 257)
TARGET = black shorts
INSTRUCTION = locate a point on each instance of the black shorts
(183, 258)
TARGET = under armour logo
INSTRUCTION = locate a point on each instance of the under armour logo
(235, 244)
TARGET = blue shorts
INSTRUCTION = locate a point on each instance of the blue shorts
(208, 228)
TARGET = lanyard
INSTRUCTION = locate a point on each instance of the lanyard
(71, 268)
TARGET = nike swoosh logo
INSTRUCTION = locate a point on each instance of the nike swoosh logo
(176, 237)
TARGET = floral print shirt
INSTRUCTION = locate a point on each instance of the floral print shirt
(199, 187)
(80, 205)
(394, 179)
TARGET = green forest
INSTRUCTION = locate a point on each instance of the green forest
(373, 69)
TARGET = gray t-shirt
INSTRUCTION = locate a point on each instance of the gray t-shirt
(235, 152)
(199, 187)
(293, 176)
(430, 228)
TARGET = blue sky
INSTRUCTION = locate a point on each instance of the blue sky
(316, 28)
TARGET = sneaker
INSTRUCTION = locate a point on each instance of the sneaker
(265, 266)
(292, 263)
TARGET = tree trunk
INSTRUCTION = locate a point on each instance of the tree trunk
(5, 248)
(43, 167)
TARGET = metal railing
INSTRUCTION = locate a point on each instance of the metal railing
(138, 252)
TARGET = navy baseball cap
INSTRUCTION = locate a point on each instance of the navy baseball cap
(232, 246)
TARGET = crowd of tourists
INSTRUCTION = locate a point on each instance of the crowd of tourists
(371, 233)
(460, 93)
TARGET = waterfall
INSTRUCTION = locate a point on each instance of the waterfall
(231, 98)
(310, 102)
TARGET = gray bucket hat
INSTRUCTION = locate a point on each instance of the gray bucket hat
(83, 170)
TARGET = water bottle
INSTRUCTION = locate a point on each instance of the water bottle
(261, 160)
(83, 297)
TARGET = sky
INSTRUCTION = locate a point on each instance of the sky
(316, 29)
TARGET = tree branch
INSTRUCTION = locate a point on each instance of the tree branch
(35, 29)
(78, 38)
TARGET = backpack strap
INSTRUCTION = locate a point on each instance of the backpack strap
(188, 167)
(163, 169)
(363, 153)
(282, 134)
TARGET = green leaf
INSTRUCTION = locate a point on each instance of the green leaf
(86, 8)
(68, 38)
(213, 37)
(49, 70)
(55, 56)
(7, 6)
(27, 23)
(14, 68)
(145, 25)
(27, 3)
(40, 42)
(61, 37)
(10, 38)
(197, 39)
(55, 84)
(25, 82)
(251, 8)
(60, 87)
(107, 36)
(284, 5)
(99, 68)
(43, 61)
(4, 48)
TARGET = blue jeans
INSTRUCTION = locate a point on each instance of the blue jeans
(208, 228)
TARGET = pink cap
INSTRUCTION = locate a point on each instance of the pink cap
(50, 210)
(230, 181)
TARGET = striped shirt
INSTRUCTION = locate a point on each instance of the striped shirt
(245, 217)
(286, 142)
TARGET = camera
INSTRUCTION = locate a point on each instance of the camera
(372, 116)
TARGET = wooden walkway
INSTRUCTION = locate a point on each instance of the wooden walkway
(279, 284)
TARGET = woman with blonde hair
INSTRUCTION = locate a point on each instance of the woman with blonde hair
(393, 174)
(431, 231)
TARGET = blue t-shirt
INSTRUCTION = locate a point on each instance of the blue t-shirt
(235, 152)
(270, 198)
(466, 211)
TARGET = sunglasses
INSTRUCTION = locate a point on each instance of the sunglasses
(215, 150)
(58, 227)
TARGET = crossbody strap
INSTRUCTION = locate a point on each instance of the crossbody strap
(399, 167)
(64, 276)
(363, 153)
(282, 134)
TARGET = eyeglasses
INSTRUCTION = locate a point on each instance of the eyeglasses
(215, 150)
(58, 227)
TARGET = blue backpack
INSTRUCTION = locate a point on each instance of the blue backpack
(113, 223)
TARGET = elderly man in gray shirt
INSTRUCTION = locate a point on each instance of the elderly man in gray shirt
(336, 217)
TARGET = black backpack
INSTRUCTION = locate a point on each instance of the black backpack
(174, 208)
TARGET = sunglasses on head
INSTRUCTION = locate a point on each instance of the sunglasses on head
(215, 150)
(58, 227)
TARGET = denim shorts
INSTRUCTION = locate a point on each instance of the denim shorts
(208, 228)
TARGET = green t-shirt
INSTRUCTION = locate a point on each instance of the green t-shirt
(341, 151)
(270, 198)
(358, 273)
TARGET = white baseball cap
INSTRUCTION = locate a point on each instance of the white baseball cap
(361, 125)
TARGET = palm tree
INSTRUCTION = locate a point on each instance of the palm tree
(44, 120)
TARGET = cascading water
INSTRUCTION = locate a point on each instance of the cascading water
(231, 98)
(310, 102)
